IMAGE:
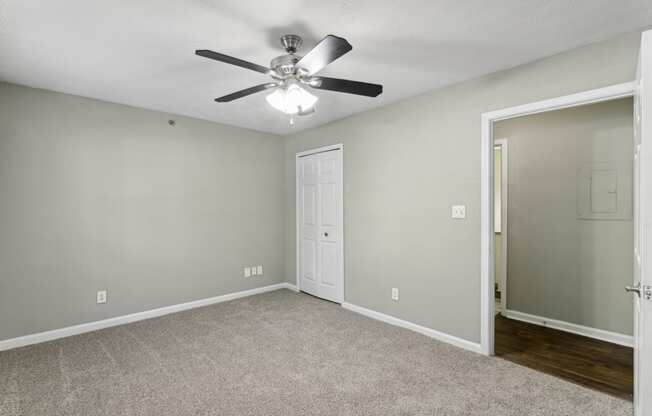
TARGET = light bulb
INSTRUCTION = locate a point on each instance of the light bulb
(291, 99)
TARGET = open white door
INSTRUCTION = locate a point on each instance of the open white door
(643, 226)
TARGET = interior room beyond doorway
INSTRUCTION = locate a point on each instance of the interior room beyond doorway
(564, 243)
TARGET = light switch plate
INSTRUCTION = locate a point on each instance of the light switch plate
(259, 270)
(101, 296)
(254, 271)
(458, 211)
(395, 293)
(247, 271)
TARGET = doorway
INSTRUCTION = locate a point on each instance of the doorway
(320, 222)
(487, 259)
(572, 240)
(641, 282)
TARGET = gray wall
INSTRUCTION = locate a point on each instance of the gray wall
(96, 195)
(103, 196)
(407, 163)
(558, 265)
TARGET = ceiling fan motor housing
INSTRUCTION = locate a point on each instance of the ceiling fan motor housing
(291, 42)
(284, 65)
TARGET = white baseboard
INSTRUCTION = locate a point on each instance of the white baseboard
(586, 331)
(139, 316)
(439, 336)
(291, 287)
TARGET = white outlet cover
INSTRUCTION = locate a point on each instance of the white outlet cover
(394, 293)
(458, 211)
(101, 296)
(259, 270)
(247, 272)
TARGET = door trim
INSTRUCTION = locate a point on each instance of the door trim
(487, 249)
(298, 156)
(504, 194)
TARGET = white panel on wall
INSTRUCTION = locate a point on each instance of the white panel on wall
(604, 191)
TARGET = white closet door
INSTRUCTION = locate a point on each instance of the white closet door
(319, 214)
(308, 227)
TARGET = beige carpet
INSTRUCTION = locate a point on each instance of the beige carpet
(279, 353)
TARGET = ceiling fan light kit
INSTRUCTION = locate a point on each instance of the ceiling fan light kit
(290, 72)
(292, 99)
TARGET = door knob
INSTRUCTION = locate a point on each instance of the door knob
(634, 289)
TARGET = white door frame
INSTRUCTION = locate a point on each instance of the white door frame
(487, 249)
(504, 195)
(299, 155)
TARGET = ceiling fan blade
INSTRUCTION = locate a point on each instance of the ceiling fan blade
(231, 60)
(326, 51)
(347, 86)
(245, 92)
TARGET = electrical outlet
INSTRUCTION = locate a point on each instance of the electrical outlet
(101, 296)
(395, 293)
(259, 270)
(247, 271)
(458, 211)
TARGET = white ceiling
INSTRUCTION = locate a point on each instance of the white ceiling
(141, 52)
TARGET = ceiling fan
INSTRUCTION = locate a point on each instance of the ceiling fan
(290, 72)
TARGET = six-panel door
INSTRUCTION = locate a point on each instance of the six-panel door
(320, 225)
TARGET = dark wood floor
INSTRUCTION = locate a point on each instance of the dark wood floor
(596, 364)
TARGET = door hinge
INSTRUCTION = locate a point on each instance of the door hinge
(640, 290)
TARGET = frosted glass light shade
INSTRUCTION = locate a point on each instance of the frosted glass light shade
(291, 99)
